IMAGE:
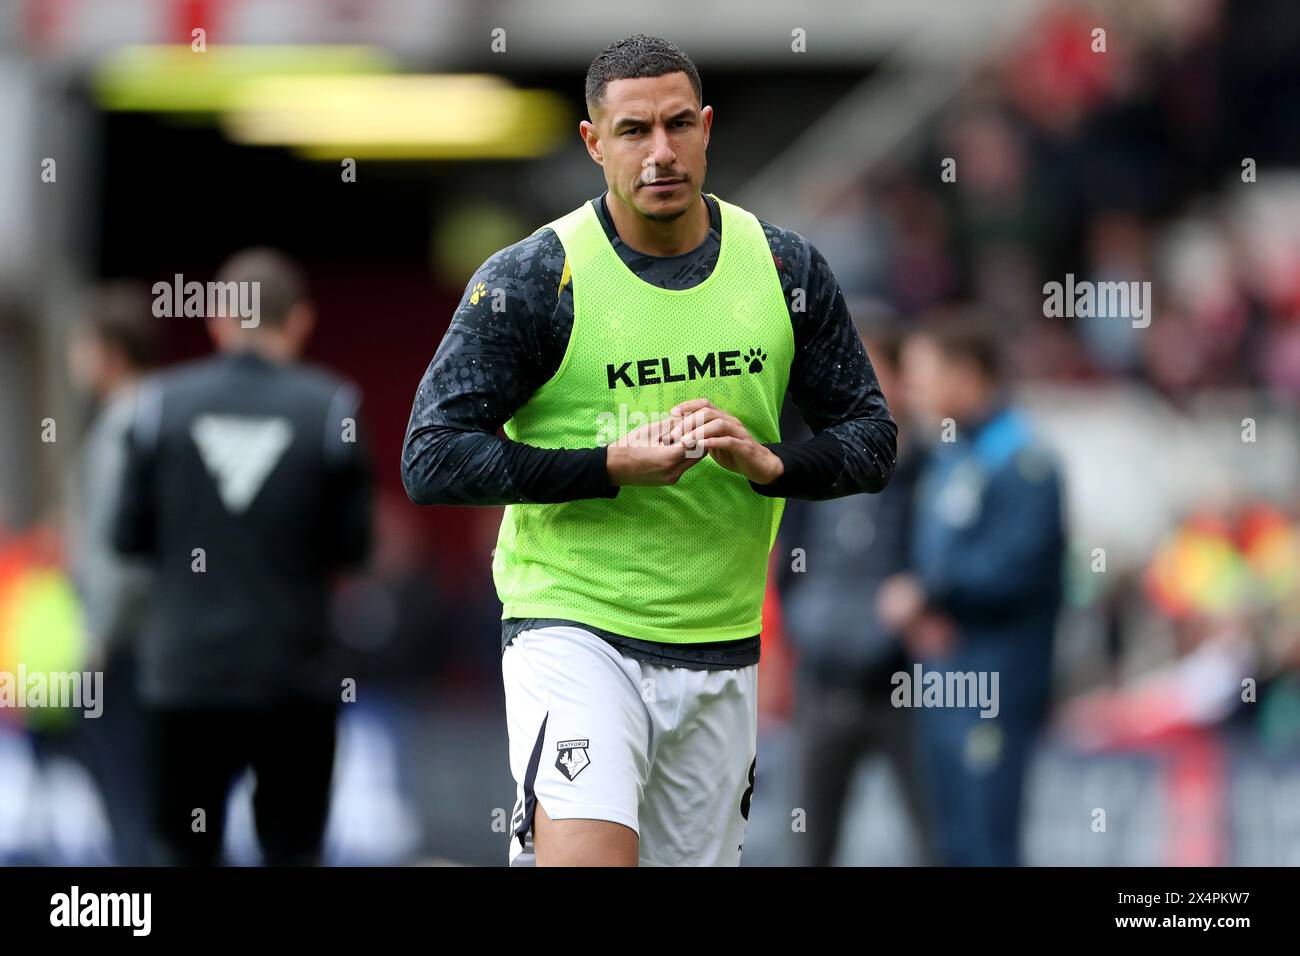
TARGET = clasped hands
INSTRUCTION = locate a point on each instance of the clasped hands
(660, 452)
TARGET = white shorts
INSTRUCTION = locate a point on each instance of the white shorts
(667, 751)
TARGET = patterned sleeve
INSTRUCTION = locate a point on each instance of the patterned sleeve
(501, 346)
(832, 384)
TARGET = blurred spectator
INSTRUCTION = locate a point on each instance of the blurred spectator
(111, 349)
(845, 654)
(1221, 583)
(247, 487)
(1118, 251)
(52, 799)
(919, 262)
(988, 544)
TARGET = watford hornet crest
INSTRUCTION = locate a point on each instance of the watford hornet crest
(573, 757)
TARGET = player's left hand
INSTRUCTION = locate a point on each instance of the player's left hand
(701, 424)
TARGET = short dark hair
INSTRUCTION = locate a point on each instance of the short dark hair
(967, 334)
(121, 317)
(635, 57)
(281, 283)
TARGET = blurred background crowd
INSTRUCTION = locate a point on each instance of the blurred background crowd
(1154, 142)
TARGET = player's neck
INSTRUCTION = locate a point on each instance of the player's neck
(266, 346)
(655, 238)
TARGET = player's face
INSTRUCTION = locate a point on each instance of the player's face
(650, 137)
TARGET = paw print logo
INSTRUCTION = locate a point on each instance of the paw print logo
(756, 358)
(480, 290)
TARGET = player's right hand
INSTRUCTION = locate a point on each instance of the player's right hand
(644, 456)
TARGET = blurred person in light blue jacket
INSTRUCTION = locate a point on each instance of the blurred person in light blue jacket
(978, 611)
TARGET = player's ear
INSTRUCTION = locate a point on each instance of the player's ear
(706, 121)
(301, 322)
(591, 139)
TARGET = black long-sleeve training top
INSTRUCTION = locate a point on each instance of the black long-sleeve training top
(491, 362)
(246, 488)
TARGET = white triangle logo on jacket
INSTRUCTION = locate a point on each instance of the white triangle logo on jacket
(240, 453)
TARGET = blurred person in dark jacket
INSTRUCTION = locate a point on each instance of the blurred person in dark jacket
(979, 609)
(113, 346)
(846, 654)
(247, 487)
